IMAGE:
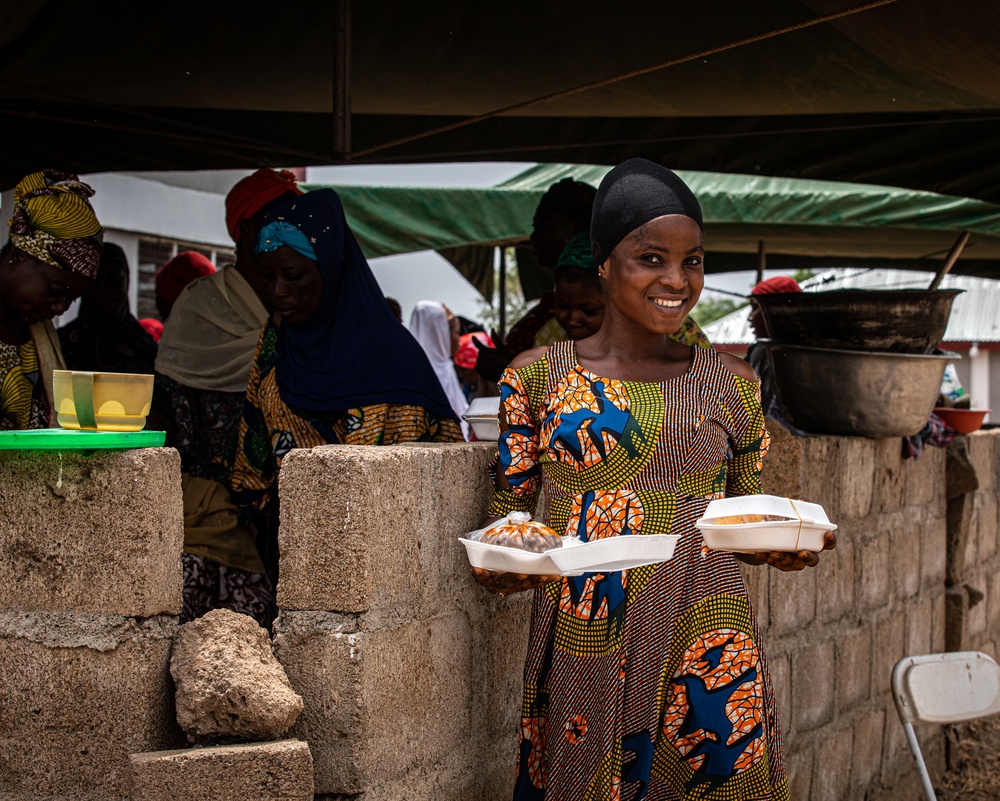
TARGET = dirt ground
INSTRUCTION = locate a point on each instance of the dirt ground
(974, 762)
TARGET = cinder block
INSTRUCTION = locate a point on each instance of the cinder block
(757, 580)
(836, 577)
(986, 525)
(372, 529)
(792, 600)
(799, 765)
(813, 691)
(820, 457)
(959, 523)
(782, 473)
(904, 558)
(93, 532)
(925, 482)
(982, 454)
(832, 775)
(874, 568)
(890, 647)
(939, 623)
(856, 472)
(780, 668)
(388, 705)
(78, 694)
(890, 476)
(993, 602)
(854, 665)
(956, 636)
(920, 626)
(280, 770)
(867, 756)
(933, 535)
(978, 605)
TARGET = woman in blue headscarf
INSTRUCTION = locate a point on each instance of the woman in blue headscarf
(332, 363)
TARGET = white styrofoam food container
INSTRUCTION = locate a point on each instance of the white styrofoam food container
(483, 416)
(801, 528)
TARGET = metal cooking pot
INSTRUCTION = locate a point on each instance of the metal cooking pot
(894, 320)
(856, 393)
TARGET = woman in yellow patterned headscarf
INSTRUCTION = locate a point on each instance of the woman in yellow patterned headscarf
(53, 253)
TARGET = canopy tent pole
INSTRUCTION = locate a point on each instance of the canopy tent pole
(342, 81)
(761, 261)
(503, 293)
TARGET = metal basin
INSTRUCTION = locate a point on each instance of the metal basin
(856, 393)
(893, 320)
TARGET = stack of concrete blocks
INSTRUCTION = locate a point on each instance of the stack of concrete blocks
(974, 555)
(410, 672)
(90, 590)
(833, 633)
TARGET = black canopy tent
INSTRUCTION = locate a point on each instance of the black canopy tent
(891, 92)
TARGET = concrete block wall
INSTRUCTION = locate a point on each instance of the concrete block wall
(833, 633)
(409, 671)
(90, 590)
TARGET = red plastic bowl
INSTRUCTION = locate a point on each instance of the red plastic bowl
(964, 421)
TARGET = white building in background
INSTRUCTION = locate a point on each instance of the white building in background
(973, 329)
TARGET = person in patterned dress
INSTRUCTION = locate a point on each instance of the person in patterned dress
(650, 683)
(332, 364)
(51, 257)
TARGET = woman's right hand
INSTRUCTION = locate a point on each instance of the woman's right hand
(509, 583)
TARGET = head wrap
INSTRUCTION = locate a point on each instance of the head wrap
(352, 352)
(180, 271)
(430, 326)
(776, 285)
(54, 222)
(578, 253)
(570, 199)
(632, 194)
(153, 327)
(282, 234)
(253, 193)
(468, 353)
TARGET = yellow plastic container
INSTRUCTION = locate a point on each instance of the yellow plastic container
(102, 401)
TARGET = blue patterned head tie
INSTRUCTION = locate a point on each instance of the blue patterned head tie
(283, 234)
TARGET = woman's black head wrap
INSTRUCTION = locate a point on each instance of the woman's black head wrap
(632, 194)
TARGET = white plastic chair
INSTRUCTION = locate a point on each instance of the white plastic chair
(943, 688)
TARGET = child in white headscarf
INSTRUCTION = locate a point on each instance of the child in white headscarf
(432, 325)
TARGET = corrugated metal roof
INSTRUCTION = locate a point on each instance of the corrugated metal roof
(975, 315)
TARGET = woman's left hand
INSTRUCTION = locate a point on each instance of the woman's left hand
(796, 560)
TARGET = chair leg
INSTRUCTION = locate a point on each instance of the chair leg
(911, 738)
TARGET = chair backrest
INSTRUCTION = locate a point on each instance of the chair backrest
(946, 688)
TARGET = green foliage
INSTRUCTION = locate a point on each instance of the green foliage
(709, 310)
(802, 275)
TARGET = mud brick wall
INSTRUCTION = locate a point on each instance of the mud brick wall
(90, 590)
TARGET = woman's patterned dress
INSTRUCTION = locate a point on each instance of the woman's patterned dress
(648, 683)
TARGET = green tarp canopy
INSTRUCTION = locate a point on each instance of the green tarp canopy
(803, 224)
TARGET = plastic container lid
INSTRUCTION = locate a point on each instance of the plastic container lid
(62, 439)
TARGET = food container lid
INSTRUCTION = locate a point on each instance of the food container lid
(764, 505)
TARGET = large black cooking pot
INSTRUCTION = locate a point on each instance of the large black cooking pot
(887, 320)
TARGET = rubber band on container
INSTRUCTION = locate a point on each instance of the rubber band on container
(798, 535)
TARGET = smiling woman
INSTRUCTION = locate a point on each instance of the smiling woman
(51, 257)
(649, 683)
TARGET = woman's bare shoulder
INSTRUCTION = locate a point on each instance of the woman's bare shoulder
(737, 366)
(531, 356)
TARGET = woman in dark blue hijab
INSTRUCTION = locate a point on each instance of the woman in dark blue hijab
(332, 363)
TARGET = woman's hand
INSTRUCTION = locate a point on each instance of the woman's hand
(509, 583)
(795, 560)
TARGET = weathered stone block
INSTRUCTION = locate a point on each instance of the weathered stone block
(79, 692)
(91, 532)
(867, 755)
(982, 454)
(986, 525)
(367, 529)
(278, 770)
(939, 623)
(993, 603)
(813, 690)
(799, 765)
(854, 664)
(857, 473)
(920, 627)
(904, 558)
(890, 476)
(793, 600)
(873, 563)
(933, 535)
(230, 688)
(978, 604)
(820, 458)
(832, 776)
(925, 483)
(757, 579)
(890, 647)
(956, 637)
(836, 577)
(959, 524)
(780, 668)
